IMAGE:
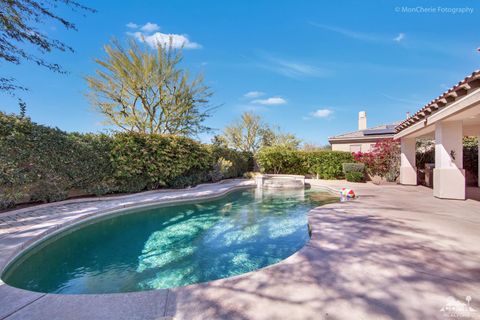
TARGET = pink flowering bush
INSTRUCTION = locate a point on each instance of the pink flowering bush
(383, 160)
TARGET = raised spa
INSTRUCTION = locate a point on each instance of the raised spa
(170, 246)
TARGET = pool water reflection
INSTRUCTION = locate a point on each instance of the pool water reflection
(171, 246)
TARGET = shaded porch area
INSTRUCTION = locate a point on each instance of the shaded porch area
(473, 193)
(447, 120)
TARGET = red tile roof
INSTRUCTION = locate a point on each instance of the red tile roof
(460, 89)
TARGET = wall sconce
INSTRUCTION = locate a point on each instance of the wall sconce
(452, 154)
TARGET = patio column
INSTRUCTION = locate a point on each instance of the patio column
(449, 175)
(408, 170)
(478, 177)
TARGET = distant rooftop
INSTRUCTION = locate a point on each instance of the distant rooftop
(381, 131)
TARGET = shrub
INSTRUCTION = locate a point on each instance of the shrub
(279, 159)
(355, 176)
(249, 175)
(353, 167)
(221, 169)
(241, 161)
(150, 161)
(324, 164)
(38, 163)
(383, 160)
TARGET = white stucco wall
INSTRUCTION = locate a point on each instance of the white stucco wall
(348, 147)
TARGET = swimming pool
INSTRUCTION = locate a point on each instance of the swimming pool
(170, 246)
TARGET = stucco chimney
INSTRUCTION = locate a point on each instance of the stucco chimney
(362, 120)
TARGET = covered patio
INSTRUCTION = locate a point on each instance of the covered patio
(447, 119)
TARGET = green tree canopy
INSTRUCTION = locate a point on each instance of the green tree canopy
(143, 90)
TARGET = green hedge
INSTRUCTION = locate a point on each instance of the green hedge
(39, 163)
(242, 162)
(324, 164)
(280, 159)
(147, 162)
(355, 176)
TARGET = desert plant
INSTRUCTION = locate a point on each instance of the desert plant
(145, 91)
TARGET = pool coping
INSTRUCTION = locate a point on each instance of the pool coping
(119, 205)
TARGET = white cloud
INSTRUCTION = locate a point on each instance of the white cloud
(253, 94)
(132, 25)
(150, 27)
(176, 40)
(270, 101)
(148, 35)
(348, 33)
(322, 113)
(400, 37)
(294, 69)
(357, 35)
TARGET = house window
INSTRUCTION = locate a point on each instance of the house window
(355, 147)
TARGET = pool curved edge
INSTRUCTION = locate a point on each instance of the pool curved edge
(16, 298)
(201, 192)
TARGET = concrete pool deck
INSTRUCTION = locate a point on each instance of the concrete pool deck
(394, 253)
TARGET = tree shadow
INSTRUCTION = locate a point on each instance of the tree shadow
(355, 266)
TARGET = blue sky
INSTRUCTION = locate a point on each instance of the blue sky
(309, 66)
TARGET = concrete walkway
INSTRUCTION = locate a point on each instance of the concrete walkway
(394, 253)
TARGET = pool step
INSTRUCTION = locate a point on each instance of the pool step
(280, 181)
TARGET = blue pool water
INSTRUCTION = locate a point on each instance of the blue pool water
(170, 246)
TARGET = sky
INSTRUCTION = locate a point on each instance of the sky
(307, 67)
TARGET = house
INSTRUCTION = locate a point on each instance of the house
(364, 138)
(446, 119)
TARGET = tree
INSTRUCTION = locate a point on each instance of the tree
(219, 141)
(20, 21)
(250, 133)
(144, 90)
(246, 134)
(275, 137)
